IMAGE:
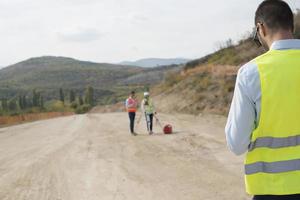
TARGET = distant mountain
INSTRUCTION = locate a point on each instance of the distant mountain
(155, 62)
(48, 74)
(63, 72)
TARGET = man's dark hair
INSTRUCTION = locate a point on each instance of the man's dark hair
(132, 92)
(275, 14)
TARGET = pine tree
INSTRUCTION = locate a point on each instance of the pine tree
(1, 106)
(24, 102)
(61, 95)
(38, 97)
(80, 100)
(72, 96)
(89, 96)
(4, 105)
(20, 102)
(12, 105)
(41, 104)
(35, 100)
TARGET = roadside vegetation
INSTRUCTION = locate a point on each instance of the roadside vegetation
(34, 103)
(33, 107)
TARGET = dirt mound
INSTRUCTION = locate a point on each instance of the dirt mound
(203, 89)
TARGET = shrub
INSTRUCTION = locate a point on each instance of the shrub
(74, 105)
(82, 109)
(58, 105)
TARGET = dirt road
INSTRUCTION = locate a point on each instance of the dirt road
(93, 157)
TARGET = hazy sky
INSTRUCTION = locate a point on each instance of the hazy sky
(117, 30)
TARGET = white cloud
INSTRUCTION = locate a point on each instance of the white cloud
(80, 35)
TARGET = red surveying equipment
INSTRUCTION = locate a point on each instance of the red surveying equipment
(167, 129)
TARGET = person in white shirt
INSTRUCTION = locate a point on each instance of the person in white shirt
(148, 109)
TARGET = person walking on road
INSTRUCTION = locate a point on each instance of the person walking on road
(131, 106)
(264, 115)
(148, 109)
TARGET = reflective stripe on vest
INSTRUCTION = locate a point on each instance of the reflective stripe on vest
(272, 164)
(275, 143)
(273, 167)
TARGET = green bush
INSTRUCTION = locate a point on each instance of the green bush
(82, 109)
(74, 105)
(57, 106)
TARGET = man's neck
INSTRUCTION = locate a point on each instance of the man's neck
(282, 35)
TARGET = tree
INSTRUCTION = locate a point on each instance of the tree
(1, 105)
(28, 103)
(229, 43)
(24, 102)
(20, 102)
(72, 96)
(35, 98)
(12, 105)
(61, 95)
(89, 96)
(4, 105)
(80, 100)
(41, 104)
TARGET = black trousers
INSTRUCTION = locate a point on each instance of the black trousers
(131, 118)
(277, 197)
(149, 120)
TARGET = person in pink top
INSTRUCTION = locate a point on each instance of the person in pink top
(131, 107)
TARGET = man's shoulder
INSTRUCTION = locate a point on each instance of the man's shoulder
(248, 70)
(248, 80)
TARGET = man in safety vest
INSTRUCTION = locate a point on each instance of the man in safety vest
(131, 106)
(264, 119)
(147, 108)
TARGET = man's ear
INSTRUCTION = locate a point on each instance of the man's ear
(262, 29)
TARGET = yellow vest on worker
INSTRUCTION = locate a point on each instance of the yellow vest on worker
(148, 106)
(272, 165)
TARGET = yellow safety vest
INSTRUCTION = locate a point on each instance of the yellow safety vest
(149, 107)
(272, 165)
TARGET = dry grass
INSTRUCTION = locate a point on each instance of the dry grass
(13, 120)
(204, 88)
(214, 70)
